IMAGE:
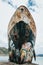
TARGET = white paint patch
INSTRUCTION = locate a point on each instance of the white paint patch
(25, 19)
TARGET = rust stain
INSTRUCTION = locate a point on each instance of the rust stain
(12, 23)
(17, 17)
(28, 15)
(32, 24)
(18, 14)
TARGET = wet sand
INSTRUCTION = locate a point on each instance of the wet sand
(10, 63)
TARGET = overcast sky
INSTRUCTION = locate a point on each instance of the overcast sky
(6, 11)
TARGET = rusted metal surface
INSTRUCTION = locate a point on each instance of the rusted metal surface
(22, 13)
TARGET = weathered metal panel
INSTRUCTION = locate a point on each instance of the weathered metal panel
(22, 13)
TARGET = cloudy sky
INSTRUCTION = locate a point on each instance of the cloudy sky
(8, 7)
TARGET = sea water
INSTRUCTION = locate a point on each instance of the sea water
(39, 60)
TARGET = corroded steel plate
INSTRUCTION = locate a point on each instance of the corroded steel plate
(22, 14)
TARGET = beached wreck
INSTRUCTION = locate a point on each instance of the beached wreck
(21, 36)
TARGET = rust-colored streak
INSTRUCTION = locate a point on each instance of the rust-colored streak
(28, 15)
(18, 14)
(12, 23)
(32, 24)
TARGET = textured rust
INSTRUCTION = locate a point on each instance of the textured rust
(24, 15)
(18, 16)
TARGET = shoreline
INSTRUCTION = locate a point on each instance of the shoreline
(11, 63)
